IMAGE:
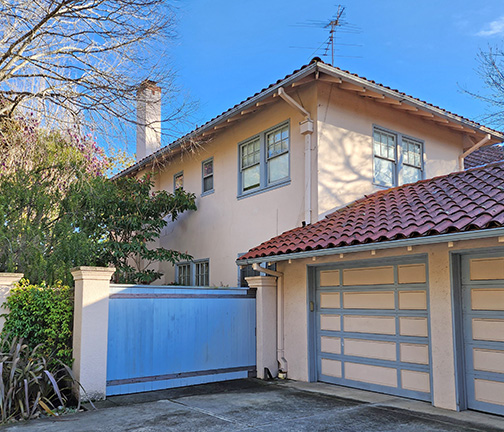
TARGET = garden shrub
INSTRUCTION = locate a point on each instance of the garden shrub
(41, 314)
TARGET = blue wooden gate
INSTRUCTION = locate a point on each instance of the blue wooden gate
(164, 337)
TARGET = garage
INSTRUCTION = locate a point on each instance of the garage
(372, 326)
(483, 331)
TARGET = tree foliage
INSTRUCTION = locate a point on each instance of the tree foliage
(57, 210)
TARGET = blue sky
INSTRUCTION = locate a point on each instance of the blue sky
(228, 50)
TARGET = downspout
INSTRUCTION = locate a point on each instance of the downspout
(280, 316)
(306, 129)
(472, 149)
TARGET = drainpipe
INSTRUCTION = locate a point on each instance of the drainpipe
(280, 316)
(472, 149)
(306, 129)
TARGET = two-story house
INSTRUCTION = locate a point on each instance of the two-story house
(306, 145)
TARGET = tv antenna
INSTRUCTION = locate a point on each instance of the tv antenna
(337, 24)
(333, 25)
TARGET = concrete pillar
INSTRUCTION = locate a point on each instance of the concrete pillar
(266, 324)
(7, 281)
(441, 324)
(91, 328)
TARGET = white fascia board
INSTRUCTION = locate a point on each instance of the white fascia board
(417, 241)
(405, 98)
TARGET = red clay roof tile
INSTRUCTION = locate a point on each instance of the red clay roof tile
(462, 201)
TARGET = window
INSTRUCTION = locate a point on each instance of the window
(201, 273)
(207, 176)
(178, 180)
(184, 274)
(264, 160)
(196, 273)
(397, 158)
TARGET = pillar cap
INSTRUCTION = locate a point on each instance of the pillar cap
(10, 278)
(92, 273)
(261, 281)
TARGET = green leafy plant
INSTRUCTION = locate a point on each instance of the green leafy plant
(42, 315)
(30, 383)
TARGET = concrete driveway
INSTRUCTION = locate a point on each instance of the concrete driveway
(253, 405)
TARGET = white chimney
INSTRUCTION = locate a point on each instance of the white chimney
(148, 119)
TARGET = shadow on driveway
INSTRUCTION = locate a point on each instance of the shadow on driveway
(244, 405)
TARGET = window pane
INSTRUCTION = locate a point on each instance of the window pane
(202, 278)
(208, 184)
(278, 168)
(179, 181)
(412, 152)
(383, 172)
(208, 168)
(278, 141)
(184, 274)
(384, 145)
(251, 177)
(250, 154)
(411, 174)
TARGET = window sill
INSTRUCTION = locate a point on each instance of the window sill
(264, 189)
(209, 192)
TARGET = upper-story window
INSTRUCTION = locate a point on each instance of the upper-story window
(264, 160)
(207, 180)
(178, 180)
(195, 273)
(397, 158)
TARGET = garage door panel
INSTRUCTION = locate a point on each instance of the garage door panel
(488, 360)
(369, 324)
(373, 329)
(371, 349)
(491, 268)
(369, 300)
(330, 322)
(415, 380)
(413, 326)
(488, 329)
(414, 353)
(487, 299)
(371, 374)
(413, 300)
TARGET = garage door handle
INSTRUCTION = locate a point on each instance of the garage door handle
(312, 307)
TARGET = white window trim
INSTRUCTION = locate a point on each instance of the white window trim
(398, 163)
(263, 163)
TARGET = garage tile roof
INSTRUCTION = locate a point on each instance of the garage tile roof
(485, 155)
(462, 201)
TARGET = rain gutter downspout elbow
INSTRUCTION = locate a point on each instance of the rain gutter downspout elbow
(280, 315)
(306, 129)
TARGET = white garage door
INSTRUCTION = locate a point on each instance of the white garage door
(483, 313)
(372, 328)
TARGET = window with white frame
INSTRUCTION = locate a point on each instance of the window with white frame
(264, 160)
(397, 158)
(178, 180)
(207, 176)
(196, 273)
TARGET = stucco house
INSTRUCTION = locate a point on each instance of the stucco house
(401, 292)
(306, 145)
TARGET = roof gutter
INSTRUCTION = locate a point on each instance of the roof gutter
(418, 241)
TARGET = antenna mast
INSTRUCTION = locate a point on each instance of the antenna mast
(333, 24)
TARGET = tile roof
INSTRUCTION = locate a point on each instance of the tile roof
(485, 155)
(462, 201)
(315, 64)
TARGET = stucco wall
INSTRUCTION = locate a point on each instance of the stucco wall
(440, 305)
(345, 153)
(224, 225)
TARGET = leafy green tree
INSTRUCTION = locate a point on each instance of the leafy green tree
(124, 218)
